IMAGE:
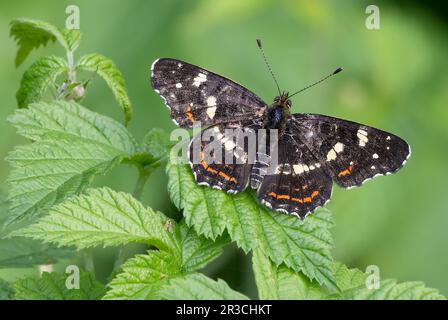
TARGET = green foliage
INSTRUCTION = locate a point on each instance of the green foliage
(22, 252)
(6, 291)
(101, 217)
(143, 276)
(52, 286)
(154, 149)
(71, 146)
(38, 78)
(72, 38)
(280, 282)
(196, 250)
(31, 34)
(304, 246)
(106, 69)
(199, 287)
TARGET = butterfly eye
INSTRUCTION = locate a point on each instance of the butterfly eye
(288, 103)
(276, 99)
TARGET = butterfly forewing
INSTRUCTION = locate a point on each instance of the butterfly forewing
(195, 94)
(351, 152)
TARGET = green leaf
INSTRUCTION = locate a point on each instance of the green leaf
(22, 253)
(197, 286)
(154, 149)
(6, 291)
(197, 251)
(157, 143)
(284, 283)
(280, 282)
(353, 286)
(101, 217)
(31, 34)
(106, 69)
(37, 79)
(143, 276)
(72, 38)
(72, 146)
(302, 245)
(52, 286)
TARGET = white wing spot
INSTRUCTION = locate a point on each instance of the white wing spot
(178, 85)
(211, 101)
(388, 138)
(331, 155)
(362, 136)
(300, 168)
(372, 167)
(338, 147)
(179, 65)
(387, 148)
(375, 156)
(211, 112)
(199, 79)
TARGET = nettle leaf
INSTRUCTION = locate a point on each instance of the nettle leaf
(52, 286)
(281, 282)
(106, 69)
(22, 253)
(154, 149)
(302, 245)
(101, 217)
(353, 286)
(144, 275)
(71, 146)
(72, 38)
(197, 286)
(197, 251)
(31, 34)
(38, 78)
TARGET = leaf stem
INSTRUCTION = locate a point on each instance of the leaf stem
(71, 66)
(143, 175)
(87, 256)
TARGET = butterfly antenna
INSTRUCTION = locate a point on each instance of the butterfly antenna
(268, 65)
(317, 82)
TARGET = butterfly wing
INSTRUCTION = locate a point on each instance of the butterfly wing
(194, 94)
(350, 152)
(298, 184)
(219, 160)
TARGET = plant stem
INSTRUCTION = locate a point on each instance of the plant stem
(141, 181)
(87, 256)
(71, 67)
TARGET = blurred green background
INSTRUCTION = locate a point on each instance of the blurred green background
(395, 79)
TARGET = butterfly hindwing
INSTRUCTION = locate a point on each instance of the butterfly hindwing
(195, 94)
(298, 184)
(212, 168)
(351, 152)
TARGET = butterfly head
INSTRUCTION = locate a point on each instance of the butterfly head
(282, 101)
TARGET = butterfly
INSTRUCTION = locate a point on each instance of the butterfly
(313, 150)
